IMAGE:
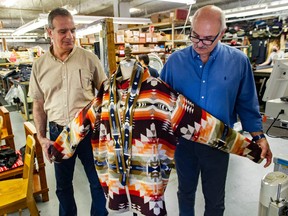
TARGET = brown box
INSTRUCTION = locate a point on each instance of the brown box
(142, 40)
(155, 18)
(142, 35)
(149, 37)
(84, 40)
(181, 14)
(120, 38)
(120, 32)
(166, 20)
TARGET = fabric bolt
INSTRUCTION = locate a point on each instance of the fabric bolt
(135, 133)
(52, 80)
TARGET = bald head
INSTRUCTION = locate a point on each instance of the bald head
(210, 14)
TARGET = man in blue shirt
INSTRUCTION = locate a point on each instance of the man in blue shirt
(219, 79)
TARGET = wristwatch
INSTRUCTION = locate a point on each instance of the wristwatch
(258, 137)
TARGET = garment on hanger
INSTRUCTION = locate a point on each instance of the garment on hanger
(136, 125)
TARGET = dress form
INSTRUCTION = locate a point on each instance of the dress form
(127, 64)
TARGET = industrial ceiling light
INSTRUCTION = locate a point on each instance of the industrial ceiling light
(134, 10)
(188, 2)
(78, 19)
(8, 3)
(21, 40)
(30, 26)
(93, 29)
(265, 8)
(81, 19)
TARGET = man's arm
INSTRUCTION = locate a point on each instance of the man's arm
(40, 120)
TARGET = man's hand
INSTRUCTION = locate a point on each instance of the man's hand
(45, 143)
(266, 151)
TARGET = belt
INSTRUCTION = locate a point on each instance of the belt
(54, 124)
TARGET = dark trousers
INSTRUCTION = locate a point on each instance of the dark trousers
(191, 160)
(64, 178)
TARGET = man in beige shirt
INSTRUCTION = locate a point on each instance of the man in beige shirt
(63, 81)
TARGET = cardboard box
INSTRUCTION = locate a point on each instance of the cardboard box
(84, 40)
(135, 48)
(142, 35)
(155, 18)
(128, 34)
(120, 32)
(166, 20)
(120, 38)
(136, 33)
(180, 37)
(149, 37)
(181, 14)
(142, 40)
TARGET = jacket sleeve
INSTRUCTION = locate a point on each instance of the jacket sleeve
(193, 123)
(72, 134)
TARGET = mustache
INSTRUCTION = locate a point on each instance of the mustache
(198, 47)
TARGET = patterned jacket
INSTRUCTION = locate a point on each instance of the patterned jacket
(135, 127)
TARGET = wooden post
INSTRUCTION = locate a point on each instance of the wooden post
(110, 45)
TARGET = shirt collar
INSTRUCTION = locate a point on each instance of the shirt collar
(213, 54)
(56, 59)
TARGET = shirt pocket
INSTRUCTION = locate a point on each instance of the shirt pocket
(85, 79)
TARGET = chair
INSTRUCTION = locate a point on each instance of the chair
(1, 126)
(7, 133)
(16, 194)
(40, 183)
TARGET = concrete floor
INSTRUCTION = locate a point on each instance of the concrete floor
(242, 188)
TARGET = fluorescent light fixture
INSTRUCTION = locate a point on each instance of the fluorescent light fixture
(131, 20)
(21, 40)
(8, 3)
(188, 2)
(4, 35)
(134, 10)
(93, 29)
(42, 20)
(30, 26)
(7, 30)
(258, 9)
(80, 19)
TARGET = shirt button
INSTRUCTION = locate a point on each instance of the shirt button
(200, 66)
(202, 97)
(203, 81)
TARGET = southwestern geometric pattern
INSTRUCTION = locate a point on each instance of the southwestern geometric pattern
(136, 125)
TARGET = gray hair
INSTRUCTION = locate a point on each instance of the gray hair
(57, 12)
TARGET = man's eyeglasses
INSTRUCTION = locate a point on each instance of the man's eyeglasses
(204, 41)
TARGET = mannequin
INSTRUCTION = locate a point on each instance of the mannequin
(127, 68)
(127, 64)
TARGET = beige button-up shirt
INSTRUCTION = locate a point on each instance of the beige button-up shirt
(66, 86)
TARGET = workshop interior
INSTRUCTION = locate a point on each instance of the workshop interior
(115, 30)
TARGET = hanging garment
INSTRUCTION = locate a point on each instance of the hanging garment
(136, 124)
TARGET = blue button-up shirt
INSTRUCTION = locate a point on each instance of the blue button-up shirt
(224, 86)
